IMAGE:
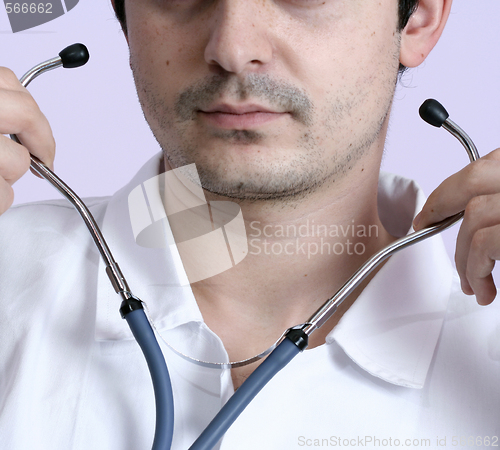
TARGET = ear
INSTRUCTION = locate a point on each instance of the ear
(423, 31)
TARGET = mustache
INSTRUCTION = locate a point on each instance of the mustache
(280, 94)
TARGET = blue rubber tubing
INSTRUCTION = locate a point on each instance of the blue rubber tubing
(278, 359)
(164, 399)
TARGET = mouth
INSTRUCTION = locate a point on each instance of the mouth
(240, 117)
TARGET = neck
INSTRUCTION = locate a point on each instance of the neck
(293, 266)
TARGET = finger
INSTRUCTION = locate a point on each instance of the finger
(20, 115)
(453, 194)
(481, 212)
(484, 251)
(14, 160)
(6, 195)
(9, 81)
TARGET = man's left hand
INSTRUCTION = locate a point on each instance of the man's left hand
(475, 189)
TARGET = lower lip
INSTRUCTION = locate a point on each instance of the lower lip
(240, 121)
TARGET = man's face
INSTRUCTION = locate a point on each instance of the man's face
(272, 99)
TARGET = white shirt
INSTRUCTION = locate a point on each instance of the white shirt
(412, 359)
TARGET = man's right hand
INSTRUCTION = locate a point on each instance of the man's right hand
(20, 115)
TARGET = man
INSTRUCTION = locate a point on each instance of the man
(283, 107)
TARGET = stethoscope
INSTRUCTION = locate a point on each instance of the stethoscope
(292, 342)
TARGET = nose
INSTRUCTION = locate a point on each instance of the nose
(240, 37)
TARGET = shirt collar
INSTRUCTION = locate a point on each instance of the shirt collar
(390, 331)
(393, 327)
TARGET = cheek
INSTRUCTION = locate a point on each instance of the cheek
(354, 90)
(165, 53)
(347, 56)
(161, 65)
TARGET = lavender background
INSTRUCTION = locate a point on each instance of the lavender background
(102, 137)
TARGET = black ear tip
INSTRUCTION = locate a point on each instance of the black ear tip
(75, 55)
(433, 112)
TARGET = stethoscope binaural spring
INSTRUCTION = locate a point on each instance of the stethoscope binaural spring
(293, 341)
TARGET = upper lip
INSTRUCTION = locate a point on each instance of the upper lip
(238, 109)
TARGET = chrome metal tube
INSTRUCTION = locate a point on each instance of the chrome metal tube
(113, 271)
(331, 305)
(43, 67)
(463, 137)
